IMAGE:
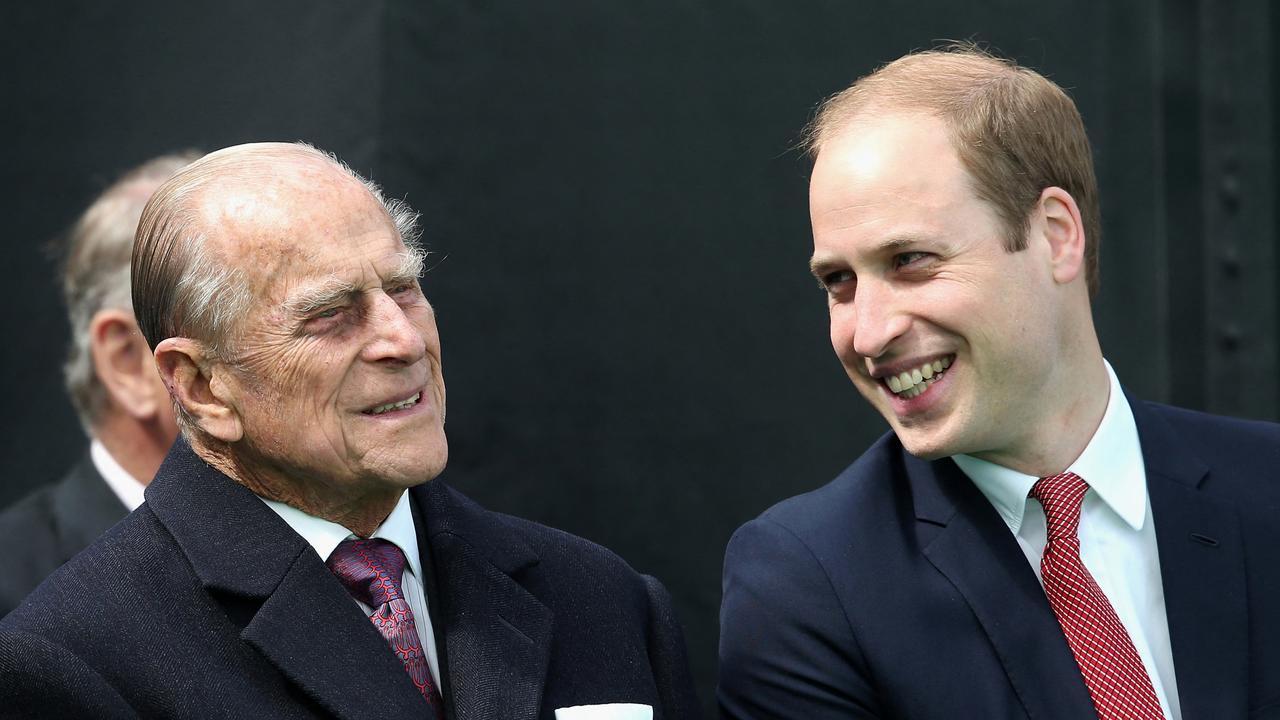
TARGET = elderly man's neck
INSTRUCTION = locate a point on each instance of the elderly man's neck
(360, 513)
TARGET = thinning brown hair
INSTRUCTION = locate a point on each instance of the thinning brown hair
(1015, 131)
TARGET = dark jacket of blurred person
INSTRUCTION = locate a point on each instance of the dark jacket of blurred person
(113, 383)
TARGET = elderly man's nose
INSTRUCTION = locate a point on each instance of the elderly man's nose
(395, 338)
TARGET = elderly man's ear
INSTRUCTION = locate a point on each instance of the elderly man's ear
(200, 385)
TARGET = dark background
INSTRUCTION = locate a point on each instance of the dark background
(633, 347)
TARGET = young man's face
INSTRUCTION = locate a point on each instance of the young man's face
(951, 337)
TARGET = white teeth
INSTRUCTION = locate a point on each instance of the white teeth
(915, 382)
(396, 405)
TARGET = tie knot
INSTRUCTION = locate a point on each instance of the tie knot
(369, 569)
(1061, 495)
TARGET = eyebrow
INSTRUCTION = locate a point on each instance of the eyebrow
(335, 289)
(312, 299)
(820, 265)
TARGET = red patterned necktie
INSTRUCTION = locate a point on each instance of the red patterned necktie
(370, 570)
(1113, 672)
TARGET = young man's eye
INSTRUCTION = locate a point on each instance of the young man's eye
(834, 279)
(908, 258)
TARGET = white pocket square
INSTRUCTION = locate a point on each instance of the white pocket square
(610, 711)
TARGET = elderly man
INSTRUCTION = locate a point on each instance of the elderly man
(291, 559)
(1028, 541)
(113, 383)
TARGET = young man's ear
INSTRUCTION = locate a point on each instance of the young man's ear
(199, 384)
(1063, 229)
(123, 364)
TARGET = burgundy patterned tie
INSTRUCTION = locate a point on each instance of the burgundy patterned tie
(370, 570)
(1113, 672)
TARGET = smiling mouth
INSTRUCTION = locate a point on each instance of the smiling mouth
(400, 405)
(917, 381)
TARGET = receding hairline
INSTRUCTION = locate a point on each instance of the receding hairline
(880, 91)
(282, 162)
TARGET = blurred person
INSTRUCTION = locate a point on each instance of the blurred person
(113, 383)
(1028, 541)
(294, 556)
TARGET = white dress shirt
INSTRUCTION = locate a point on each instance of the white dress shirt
(125, 486)
(1117, 532)
(399, 529)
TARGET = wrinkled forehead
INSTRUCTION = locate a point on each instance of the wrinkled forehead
(306, 219)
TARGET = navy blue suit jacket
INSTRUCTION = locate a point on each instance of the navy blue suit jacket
(896, 591)
(205, 604)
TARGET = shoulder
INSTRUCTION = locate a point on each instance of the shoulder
(28, 524)
(1240, 455)
(551, 563)
(863, 495)
(573, 559)
(33, 513)
(111, 578)
(1211, 431)
(855, 527)
(610, 619)
(40, 678)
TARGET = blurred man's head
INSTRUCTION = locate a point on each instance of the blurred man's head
(109, 371)
(956, 249)
(280, 292)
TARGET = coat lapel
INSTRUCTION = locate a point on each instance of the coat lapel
(84, 507)
(964, 538)
(1202, 570)
(497, 635)
(298, 616)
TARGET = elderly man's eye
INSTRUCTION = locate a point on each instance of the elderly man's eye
(330, 313)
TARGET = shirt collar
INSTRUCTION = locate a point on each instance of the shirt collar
(325, 536)
(1111, 463)
(125, 486)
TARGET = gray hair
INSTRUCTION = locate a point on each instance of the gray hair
(181, 288)
(95, 272)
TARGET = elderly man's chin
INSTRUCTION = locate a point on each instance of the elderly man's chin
(409, 462)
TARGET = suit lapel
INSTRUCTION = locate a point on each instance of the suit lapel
(336, 656)
(497, 635)
(84, 507)
(299, 617)
(1202, 570)
(963, 537)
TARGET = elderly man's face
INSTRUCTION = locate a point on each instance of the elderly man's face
(948, 335)
(337, 377)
